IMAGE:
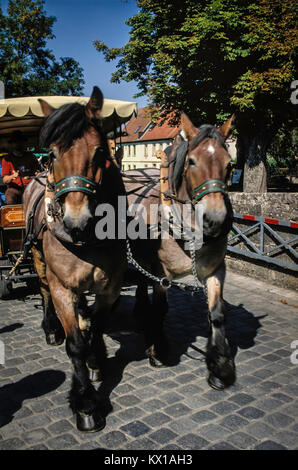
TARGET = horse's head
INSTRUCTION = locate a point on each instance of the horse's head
(205, 172)
(78, 155)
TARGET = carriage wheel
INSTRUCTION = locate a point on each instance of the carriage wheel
(5, 288)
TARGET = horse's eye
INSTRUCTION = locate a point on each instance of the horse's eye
(192, 161)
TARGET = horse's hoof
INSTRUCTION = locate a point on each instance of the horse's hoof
(154, 362)
(90, 423)
(94, 375)
(54, 339)
(216, 382)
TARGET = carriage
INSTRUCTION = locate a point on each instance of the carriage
(25, 114)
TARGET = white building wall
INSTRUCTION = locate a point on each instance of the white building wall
(142, 154)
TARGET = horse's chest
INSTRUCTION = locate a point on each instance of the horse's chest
(177, 263)
(81, 270)
(174, 260)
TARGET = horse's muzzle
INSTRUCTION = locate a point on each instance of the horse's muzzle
(78, 227)
(215, 223)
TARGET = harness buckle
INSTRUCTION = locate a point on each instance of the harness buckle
(165, 282)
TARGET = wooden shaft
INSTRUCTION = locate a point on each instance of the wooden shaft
(164, 173)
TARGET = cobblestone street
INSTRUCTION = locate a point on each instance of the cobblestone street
(154, 409)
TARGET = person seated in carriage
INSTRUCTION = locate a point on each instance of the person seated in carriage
(2, 185)
(18, 168)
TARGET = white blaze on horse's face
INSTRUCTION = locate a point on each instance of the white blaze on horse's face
(211, 149)
(77, 217)
(209, 160)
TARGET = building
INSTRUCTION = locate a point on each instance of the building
(143, 140)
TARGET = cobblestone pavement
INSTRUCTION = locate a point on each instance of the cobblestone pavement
(170, 408)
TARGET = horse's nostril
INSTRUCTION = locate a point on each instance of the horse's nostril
(67, 223)
(214, 222)
(76, 224)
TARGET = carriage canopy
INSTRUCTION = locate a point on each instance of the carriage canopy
(25, 113)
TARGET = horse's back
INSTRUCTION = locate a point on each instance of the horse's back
(142, 185)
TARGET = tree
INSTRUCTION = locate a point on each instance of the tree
(27, 66)
(210, 58)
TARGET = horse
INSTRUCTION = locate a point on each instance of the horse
(198, 168)
(68, 257)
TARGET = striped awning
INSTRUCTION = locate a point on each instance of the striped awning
(25, 113)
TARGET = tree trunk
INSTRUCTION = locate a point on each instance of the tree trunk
(252, 145)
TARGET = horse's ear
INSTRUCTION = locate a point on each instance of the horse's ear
(47, 109)
(178, 139)
(94, 105)
(226, 129)
(187, 127)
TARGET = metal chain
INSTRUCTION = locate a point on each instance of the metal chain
(131, 260)
(164, 281)
(193, 264)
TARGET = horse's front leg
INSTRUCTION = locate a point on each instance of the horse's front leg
(50, 323)
(159, 349)
(83, 398)
(219, 360)
(97, 355)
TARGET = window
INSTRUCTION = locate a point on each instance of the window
(151, 127)
(137, 129)
(134, 150)
(146, 151)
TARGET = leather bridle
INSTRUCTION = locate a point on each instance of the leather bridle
(75, 183)
(209, 186)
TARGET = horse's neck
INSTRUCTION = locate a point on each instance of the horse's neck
(182, 193)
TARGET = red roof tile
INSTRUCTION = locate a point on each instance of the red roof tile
(141, 123)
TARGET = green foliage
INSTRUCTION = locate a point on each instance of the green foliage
(27, 67)
(283, 152)
(212, 57)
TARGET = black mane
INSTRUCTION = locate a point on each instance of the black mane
(64, 125)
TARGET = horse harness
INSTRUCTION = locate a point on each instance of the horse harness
(179, 162)
(52, 194)
(89, 187)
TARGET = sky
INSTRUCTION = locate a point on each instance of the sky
(79, 23)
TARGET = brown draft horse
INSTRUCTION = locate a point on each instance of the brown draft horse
(201, 178)
(69, 260)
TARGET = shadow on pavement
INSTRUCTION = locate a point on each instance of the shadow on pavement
(13, 395)
(12, 327)
(186, 321)
(22, 290)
